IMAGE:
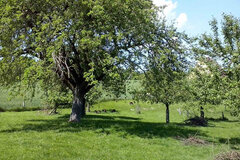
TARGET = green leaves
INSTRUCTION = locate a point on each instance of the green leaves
(222, 84)
(82, 42)
(165, 68)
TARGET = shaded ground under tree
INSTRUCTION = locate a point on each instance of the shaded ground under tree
(108, 124)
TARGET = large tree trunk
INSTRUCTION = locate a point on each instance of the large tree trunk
(78, 106)
(167, 112)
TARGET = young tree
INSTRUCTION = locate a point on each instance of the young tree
(93, 96)
(54, 93)
(205, 84)
(165, 68)
(81, 41)
(224, 46)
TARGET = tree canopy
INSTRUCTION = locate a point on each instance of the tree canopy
(78, 41)
(165, 67)
(223, 46)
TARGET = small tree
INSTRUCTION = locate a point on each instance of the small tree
(205, 84)
(93, 96)
(224, 46)
(165, 68)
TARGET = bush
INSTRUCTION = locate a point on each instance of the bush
(2, 110)
(196, 121)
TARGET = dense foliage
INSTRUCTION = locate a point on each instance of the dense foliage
(68, 48)
(81, 42)
(166, 68)
(223, 46)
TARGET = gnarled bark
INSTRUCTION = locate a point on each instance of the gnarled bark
(78, 106)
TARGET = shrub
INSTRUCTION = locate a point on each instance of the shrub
(2, 110)
(196, 121)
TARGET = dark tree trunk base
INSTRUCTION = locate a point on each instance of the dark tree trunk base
(167, 113)
(78, 106)
(223, 117)
(74, 118)
(202, 112)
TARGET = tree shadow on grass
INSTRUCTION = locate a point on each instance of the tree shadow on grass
(234, 142)
(221, 120)
(108, 125)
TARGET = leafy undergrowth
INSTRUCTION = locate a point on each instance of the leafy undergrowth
(113, 135)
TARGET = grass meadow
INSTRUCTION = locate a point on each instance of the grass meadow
(114, 136)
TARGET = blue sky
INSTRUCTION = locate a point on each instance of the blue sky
(193, 16)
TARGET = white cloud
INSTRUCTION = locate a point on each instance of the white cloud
(180, 20)
(169, 6)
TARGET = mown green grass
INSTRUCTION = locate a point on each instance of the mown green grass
(108, 136)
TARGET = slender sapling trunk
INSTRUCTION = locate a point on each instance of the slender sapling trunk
(167, 112)
(88, 107)
(201, 112)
